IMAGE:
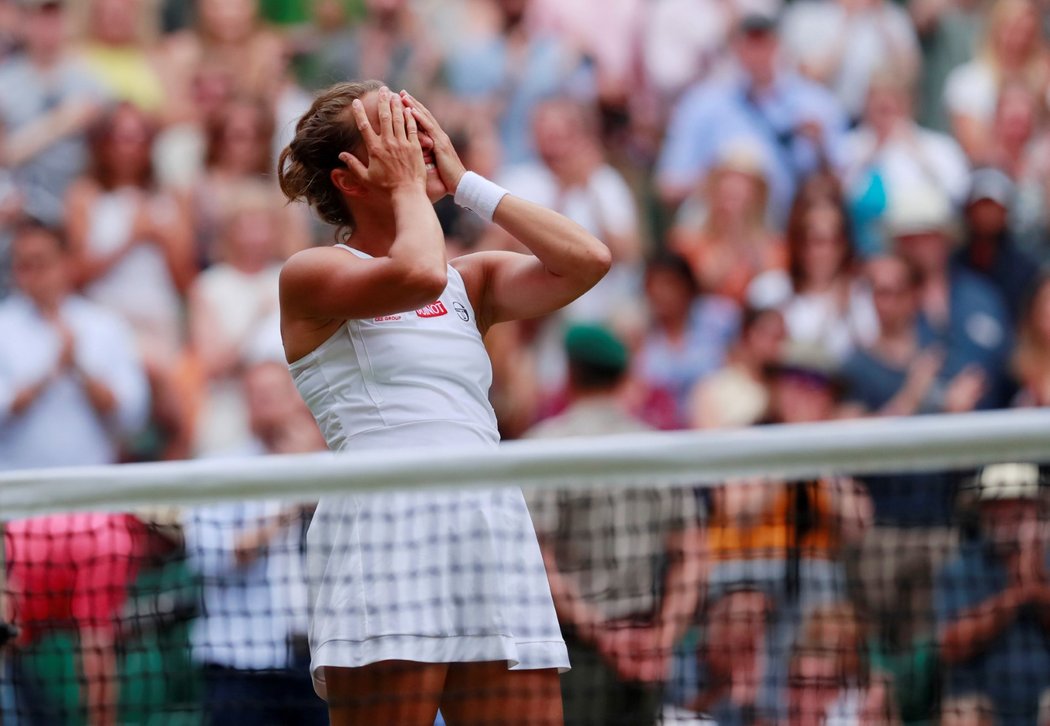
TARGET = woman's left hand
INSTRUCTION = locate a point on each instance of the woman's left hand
(449, 166)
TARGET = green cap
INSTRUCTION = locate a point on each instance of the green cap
(595, 345)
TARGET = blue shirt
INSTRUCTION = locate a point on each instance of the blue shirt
(979, 332)
(712, 117)
(1014, 668)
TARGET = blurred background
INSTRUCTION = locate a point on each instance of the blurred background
(817, 209)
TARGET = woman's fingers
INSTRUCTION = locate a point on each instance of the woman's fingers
(364, 126)
(385, 124)
(354, 165)
(397, 117)
(426, 119)
(411, 128)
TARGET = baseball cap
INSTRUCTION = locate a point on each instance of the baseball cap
(993, 184)
(596, 345)
(1008, 481)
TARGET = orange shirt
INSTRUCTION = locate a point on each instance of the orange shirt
(770, 536)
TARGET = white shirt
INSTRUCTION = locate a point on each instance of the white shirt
(916, 157)
(249, 611)
(61, 428)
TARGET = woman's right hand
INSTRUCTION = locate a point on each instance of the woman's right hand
(395, 158)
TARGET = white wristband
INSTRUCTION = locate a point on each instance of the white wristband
(479, 195)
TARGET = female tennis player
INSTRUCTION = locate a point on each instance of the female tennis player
(434, 599)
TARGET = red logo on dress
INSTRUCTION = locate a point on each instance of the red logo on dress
(433, 310)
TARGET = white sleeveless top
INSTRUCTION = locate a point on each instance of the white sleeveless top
(434, 576)
(409, 370)
(139, 287)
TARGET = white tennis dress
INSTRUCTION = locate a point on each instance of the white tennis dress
(432, 576)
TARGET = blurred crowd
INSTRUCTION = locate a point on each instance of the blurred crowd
(817, 210)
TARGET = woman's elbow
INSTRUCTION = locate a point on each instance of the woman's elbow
(427, 283)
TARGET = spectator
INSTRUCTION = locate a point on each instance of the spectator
(990, 249)
(1032, 357)
(960, 311)
(831, 678)
(115, 52)
(1013, 50)
(251, 637)
(232, 304)
(682, 41)
(968, 710)
(843, 44)
(68, 366)
(794, 121)
(132, 254)
(738, 394)
(722, 230)
(503, 67)
(689, 334)
(733, 658)
(238, 162)
(47, 102)
(824, 305)
(604, 550)
(993, 599)
(887, 152)
(1013, 129)
(388, 43)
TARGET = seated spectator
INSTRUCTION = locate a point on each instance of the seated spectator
(824, 304)
(990, 249)
(503, 67)
(722, 229)
(733, 658)
(845, 43)
(1013, 50)
(232, 304)
(682, 42)
(251, 636)
(1032, 356)
(238, 161)
(831, 680)
(959, 311)
(794, 121)
(1014, 127)
(47, 102)
(688, 336)
(993, 599)
(115, 52)
(132, 254)
(624, 564)
(66, 365)
(888, 151)
(738, 394)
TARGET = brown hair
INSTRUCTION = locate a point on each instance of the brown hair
(217, 123)
(326, 130)
(812, 196)
(101, 132)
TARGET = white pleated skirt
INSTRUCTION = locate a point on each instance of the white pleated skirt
(430, 577)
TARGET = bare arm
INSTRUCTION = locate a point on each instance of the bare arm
(42, 134)
(683, 584)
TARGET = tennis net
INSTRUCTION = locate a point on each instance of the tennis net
(877, 571)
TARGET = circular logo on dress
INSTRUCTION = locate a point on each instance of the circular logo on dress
(461, 311)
